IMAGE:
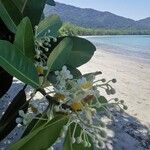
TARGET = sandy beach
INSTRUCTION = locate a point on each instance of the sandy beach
(133, 81)
(129, 131)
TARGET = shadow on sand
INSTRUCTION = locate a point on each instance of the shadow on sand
(124, 133)
(127, 133)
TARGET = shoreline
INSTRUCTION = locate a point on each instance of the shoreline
(84, 36)
(100, 49)
(124, 46)
(133, 82)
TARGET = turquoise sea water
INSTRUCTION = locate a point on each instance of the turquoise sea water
(131, 45)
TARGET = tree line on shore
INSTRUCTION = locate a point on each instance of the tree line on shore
(72, 29)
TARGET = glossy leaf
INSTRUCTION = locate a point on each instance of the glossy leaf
(68, 145)
(8, 120)
(102, 100)
(10, 14)
(52, 78)
(81, 53)
(34, 9)
(17, 64)
(24, 39)
(43, 137)
(31, 125)
(35, 123)
(5, 81)
(19, 4)
(51, 23)
(51, 2)
(59, 55)
(75, 72)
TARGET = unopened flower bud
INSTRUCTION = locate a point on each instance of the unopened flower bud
(46, 49)
(114, 80)
(103, 134)
(101, 144)
(125, 107)
(89, 144)
(113, 91)
(116, 99)
(79, 140)
(103, 80)
(122, 101)
(85, 144)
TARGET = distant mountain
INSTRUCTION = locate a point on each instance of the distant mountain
(91, 18)
(144, 22)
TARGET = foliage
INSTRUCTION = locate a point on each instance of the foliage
(31, 51)
(74, 30)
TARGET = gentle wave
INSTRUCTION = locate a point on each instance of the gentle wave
(137, 46)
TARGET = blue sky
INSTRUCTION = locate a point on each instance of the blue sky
(134, 9)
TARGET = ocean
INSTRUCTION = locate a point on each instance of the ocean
(137, 46)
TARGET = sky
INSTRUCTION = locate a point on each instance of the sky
(134, 9)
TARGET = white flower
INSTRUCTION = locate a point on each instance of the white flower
(24, 118)
(64, 74)
(39, 104)
(81, 81)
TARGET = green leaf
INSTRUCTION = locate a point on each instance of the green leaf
(5, 81)
(34, 9)
(75, 72)
(8, 120)
(24, 39)
(102, 100)
(15, 63)
(40, 122)
(59, 55)
(19, 4)
(35, 123)
(52, 23)
(68, 145)
(81, 53)
(43, 137)
(50, 2)
(10, 14)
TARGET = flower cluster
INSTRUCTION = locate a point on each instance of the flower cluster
(25, 118)
(84, 105)
(42, 48)
(83, 97)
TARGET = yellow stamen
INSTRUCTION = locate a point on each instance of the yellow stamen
(87, 85)
(76, 106)
(34, 110)
(40, 70)
(59, 96)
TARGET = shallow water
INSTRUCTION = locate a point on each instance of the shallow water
(130, 45)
